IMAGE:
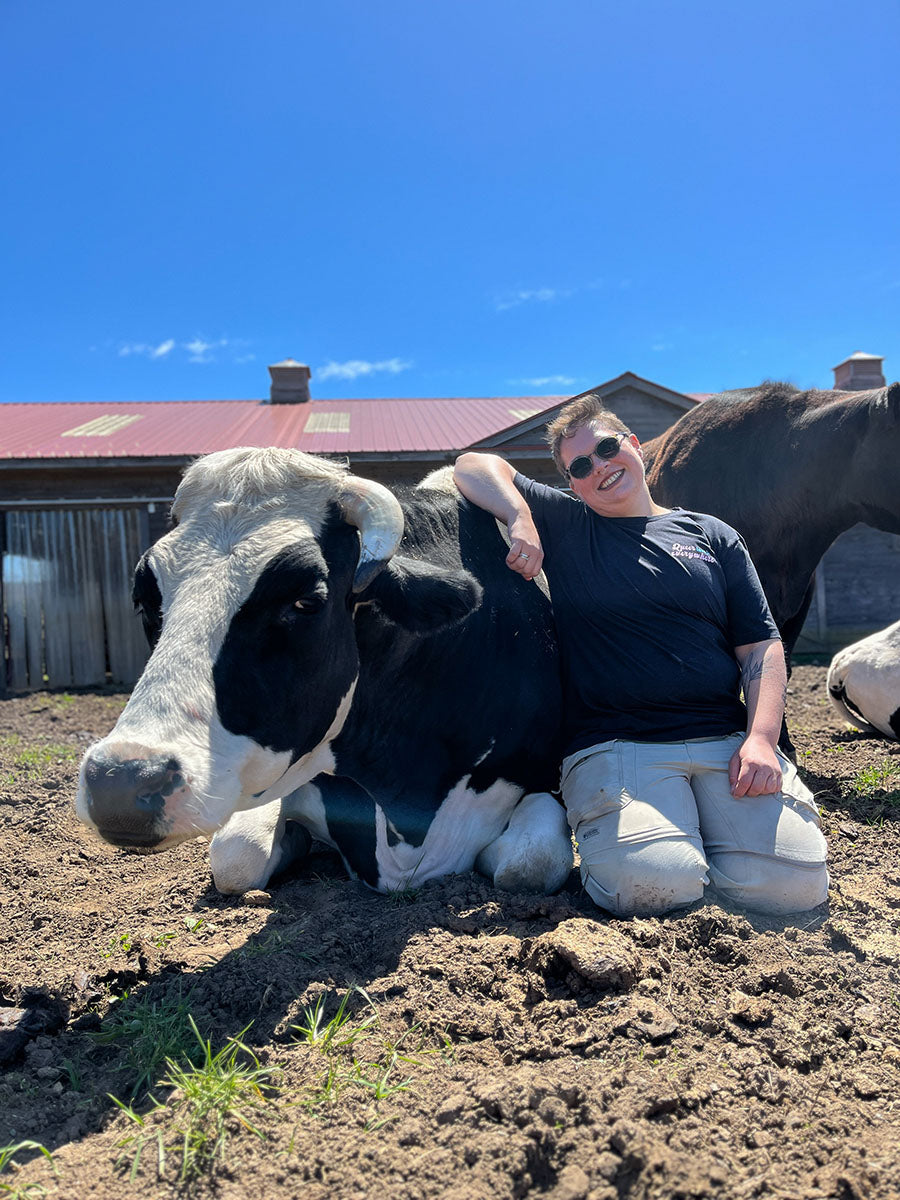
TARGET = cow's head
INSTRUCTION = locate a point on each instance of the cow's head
(249, 605)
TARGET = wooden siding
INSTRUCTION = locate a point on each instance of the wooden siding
(66, 597)
(857, 590)
(645, 415)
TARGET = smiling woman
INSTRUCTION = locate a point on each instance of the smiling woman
(661, 621)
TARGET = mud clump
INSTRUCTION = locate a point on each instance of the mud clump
(586, 952)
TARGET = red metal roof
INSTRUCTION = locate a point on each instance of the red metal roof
(187, 427)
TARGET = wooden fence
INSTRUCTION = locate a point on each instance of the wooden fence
(68, 619)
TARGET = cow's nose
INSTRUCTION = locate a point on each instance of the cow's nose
(126, 797)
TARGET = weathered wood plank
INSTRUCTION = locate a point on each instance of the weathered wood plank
(57, 640)
(121, 548)
(14, 598)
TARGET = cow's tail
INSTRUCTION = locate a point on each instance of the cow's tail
(845, 707)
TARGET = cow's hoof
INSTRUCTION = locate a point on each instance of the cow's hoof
(538, 878)
(253, 846)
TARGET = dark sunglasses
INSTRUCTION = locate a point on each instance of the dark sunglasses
(606, 448)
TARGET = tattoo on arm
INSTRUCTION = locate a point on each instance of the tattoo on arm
(752, 669)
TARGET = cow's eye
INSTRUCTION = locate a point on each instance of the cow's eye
(309, 604)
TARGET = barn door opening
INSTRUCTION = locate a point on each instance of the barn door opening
(67, 615)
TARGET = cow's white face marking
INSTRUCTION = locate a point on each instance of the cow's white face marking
(206, 569)
(319, 761)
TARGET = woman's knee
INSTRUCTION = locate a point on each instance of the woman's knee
(773, 886)
(645, 880)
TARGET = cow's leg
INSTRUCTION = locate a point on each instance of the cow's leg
(253, 845)
(534, 852)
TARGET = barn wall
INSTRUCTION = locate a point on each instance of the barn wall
(65, 596)
(644, 414)
(81, 481)
(858, 590)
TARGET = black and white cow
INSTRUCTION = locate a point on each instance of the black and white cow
(328, 662)
(864, 683)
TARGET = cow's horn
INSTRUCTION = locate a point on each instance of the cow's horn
(379, 518)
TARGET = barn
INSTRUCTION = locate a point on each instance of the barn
(85, 488)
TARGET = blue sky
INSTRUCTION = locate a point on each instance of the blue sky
(442, 197)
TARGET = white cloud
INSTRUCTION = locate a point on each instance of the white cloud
(200, 351)
(150, 352)
(144, 348)
(355, 368)
(198, 348)
(546, 380)
(542, 295)
(658, 347)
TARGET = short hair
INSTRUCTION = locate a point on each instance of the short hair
(581, 411)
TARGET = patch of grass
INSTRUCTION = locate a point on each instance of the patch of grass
(25, 1191)
(62, 700)
(31, 762)
(326, 1092)
(34, 760)
(76, 1082)
(274, 943)
(360, 1056)
(314, 1030)
(193, 924)
(119, 943)
(379, 1077)
(879, 781)
(404, 895)
(152, 1032)
(206, 1099)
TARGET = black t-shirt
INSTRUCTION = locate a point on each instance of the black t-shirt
(648, 612)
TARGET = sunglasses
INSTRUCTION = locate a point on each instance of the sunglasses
(606, 448)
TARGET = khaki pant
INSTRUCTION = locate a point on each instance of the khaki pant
(654, 822)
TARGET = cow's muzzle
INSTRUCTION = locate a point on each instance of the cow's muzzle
(126, 796)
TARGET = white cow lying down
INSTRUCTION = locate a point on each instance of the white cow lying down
(864, 683)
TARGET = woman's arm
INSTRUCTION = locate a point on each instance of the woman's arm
(487, 480)
(754, 769)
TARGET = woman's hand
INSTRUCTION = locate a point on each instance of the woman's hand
(754, 769)
(526, 555)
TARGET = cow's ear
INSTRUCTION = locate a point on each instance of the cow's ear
(423, 598)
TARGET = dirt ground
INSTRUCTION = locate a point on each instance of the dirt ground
(494, 1045)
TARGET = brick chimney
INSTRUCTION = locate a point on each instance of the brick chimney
(290, 382)
(859, 373)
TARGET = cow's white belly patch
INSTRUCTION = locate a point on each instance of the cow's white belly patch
(463, 825)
